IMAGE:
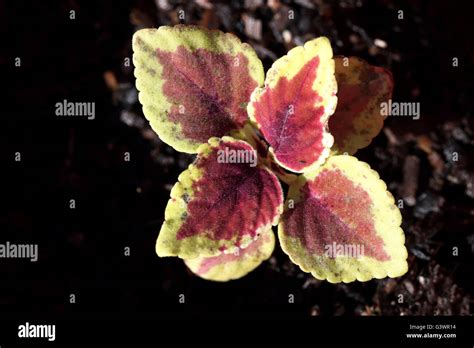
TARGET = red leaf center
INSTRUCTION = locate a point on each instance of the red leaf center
(334, 211)
(209, 91)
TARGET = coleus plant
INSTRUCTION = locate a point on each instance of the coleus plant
(204, 92)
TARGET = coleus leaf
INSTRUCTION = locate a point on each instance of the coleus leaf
(341, 224)
(293, 108)
(361, 90)
(226, 267)
(219, 205)
(194, 83)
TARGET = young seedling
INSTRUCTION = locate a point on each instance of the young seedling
(204, 92)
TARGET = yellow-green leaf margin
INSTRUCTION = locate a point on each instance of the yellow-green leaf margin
(227, 267)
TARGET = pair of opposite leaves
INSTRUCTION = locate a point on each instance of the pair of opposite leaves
(339, 222)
